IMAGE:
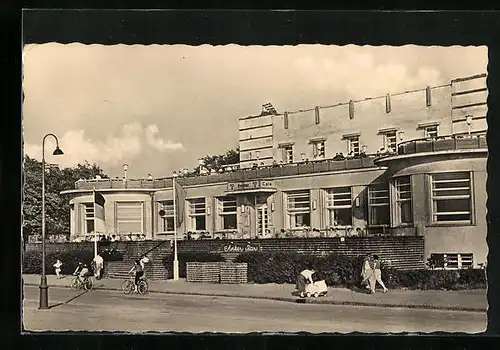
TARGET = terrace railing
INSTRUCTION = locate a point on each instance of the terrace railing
(443, 143)
(263, 172)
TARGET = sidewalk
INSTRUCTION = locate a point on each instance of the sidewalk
(467, 300)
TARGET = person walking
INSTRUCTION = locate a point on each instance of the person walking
(378, 273)
(99, 264)
(367, 274)
(57, 266)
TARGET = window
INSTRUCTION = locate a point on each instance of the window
(299, 209)
(451, 198)
(339, 206)
(129, 217)
(378, 204)
(228, 211)
(167, 220)
(287, 153)
(197, 218)
(452, 261)
(318, 149)
(390, 140)
(89, 218)
(403, 212)
(353, 145)
(431, 131)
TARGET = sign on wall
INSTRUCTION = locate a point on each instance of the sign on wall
(249, 185)
(240, 247)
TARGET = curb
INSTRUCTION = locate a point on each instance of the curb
(302, 301)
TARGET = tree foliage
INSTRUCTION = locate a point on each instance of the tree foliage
(57, 208)
(216, 162)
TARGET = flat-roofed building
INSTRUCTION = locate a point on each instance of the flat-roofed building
(409, 163)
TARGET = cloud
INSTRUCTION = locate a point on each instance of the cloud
(357, 75)
(132, 141)
(151, 133)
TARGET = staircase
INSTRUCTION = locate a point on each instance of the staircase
(154, 270)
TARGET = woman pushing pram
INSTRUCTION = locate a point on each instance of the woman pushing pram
(310, 284)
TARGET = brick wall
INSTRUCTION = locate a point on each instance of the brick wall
(216, 272)
(398, 252)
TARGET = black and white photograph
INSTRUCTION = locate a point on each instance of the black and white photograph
(236, 189)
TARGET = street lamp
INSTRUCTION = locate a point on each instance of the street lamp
(468, 120)
(125, 168)
(44, 288)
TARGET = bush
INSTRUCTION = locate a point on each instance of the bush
(32, 261)
(342, 271)
(189, 257)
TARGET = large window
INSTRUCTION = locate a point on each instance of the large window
(228, 211)
(451, 198)
(339, 206)
(197, 218)
(129, 217)
(167, 220)
(378, 204)
(403, 212)
(353, 145)
(298, 209)
(89, 218)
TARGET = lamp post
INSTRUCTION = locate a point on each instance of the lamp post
(44, 288)
(125, 168)
(468, 120)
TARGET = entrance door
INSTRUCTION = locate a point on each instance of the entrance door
(262, 221)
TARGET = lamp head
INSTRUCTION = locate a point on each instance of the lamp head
(125, 167)
(58, 151)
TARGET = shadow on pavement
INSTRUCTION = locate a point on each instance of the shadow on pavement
(69, 300)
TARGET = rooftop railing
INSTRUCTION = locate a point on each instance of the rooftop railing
(261, 172)
(443, 143)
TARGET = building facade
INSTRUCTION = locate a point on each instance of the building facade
(412, 163)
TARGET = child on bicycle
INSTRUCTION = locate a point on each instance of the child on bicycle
(139, 272)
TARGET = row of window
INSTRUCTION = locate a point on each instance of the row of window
(450, 197)
(353, 144)
(450, 200)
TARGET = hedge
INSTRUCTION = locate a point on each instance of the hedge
(342, 271)
(32, 261)
(189, 257)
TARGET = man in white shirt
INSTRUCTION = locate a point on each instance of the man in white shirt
(99, 264)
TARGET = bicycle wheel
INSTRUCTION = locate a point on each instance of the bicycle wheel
(74, 283)
(89, 284)
(127, 286)
(143, 287)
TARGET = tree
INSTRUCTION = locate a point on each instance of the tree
(57, 208)
(215, 162)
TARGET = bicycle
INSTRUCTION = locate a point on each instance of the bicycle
(87, 283)
(129, 285)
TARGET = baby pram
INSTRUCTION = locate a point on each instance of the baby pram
(316, 289)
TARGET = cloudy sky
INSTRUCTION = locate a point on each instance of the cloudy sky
(160, 108)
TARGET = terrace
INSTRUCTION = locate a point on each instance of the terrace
(233, 175)
(443, 143)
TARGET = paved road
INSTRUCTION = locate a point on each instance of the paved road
(113, 311)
